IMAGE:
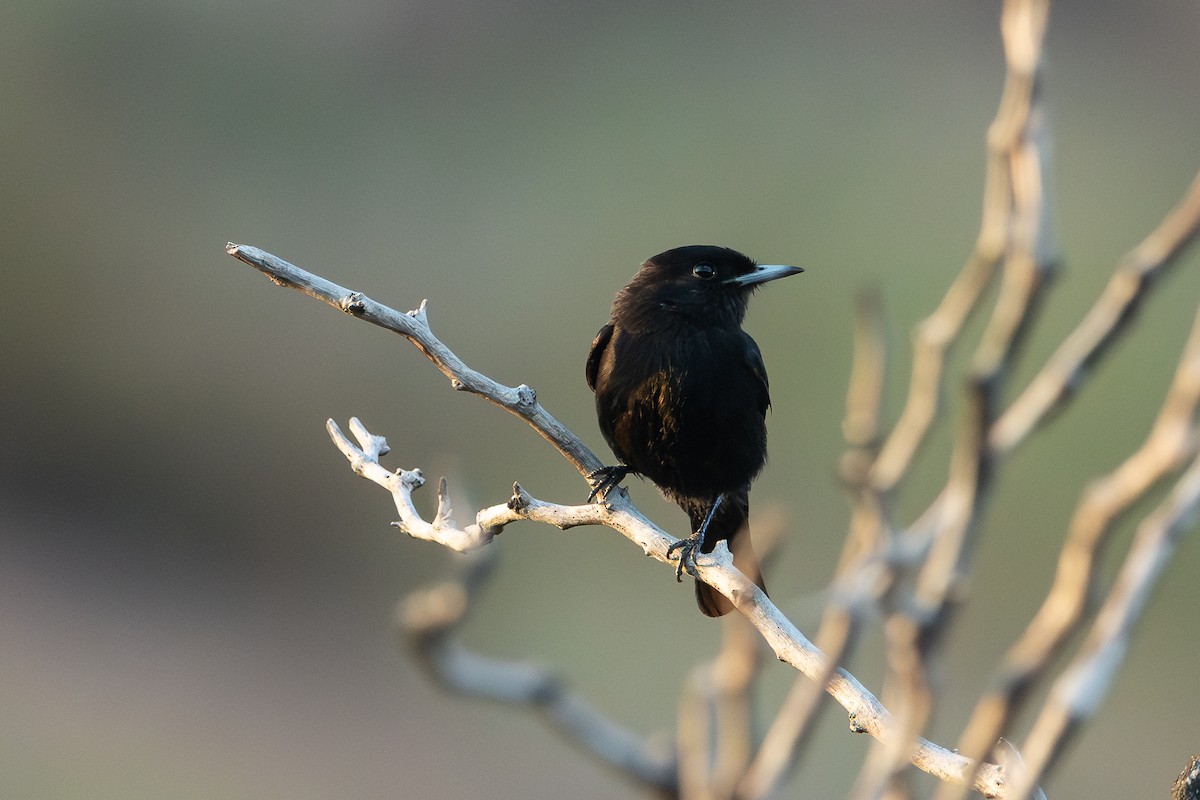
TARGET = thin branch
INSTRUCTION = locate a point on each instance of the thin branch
(414, 326)
(1058, 380)
(430, 619)
(364, 460)
(1029, 258)
(934, 337)
(1023, 26)
(715, 729)
(788, 732)
(735, 674)
(789, 645)
(861, 430)
(1170, 444)
(1083, 685)
(1030, 253)
(864, 395)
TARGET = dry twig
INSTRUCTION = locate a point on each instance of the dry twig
(1171, 442)
(430, 619)
(1078, 692)
(1028, 256)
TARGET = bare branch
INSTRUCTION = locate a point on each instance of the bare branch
(1023, 27)
(1029, 254)
(789, 645)
(414, 326)
(715, 715)
(729, 681)
(860, 429)
(1060, 377)
(443, 530)
(1028, 258)
(788, 732)
(1084, 683)
(1171, 442)
(429, 620)
(864, 396)
(785, 737)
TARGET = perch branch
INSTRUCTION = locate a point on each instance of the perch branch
(726, 686)
(716, 569)
(788, 732)
(789, 645)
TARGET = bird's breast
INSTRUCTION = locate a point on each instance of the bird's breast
(683, 410)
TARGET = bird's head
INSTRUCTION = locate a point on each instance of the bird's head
(704, 285)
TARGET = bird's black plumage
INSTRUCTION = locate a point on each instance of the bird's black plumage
(681, 394)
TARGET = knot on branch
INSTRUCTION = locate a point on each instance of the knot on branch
(353, 304)
(413, 479)
(526, 396)
(520, 498)
(419, 313)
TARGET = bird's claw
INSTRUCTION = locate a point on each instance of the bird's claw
(687, 556)
(604, 480)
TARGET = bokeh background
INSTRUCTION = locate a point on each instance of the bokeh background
(195, 592)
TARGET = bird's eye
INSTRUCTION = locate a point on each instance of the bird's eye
(704, 271)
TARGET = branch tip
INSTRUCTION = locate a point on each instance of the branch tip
(372, 446)
(520, 498)
(444, 511)
(420, 314)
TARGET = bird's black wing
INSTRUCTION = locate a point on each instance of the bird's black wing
(597, 353)
(754, 361)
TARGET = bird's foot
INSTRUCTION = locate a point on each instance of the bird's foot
(604, 480)
(687, 555)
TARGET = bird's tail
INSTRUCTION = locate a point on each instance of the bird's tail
(731, 523)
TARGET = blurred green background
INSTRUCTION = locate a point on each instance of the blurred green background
(196, 593)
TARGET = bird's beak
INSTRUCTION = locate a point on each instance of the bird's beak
(763, 273)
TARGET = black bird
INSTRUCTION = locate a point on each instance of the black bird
(681, 396)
